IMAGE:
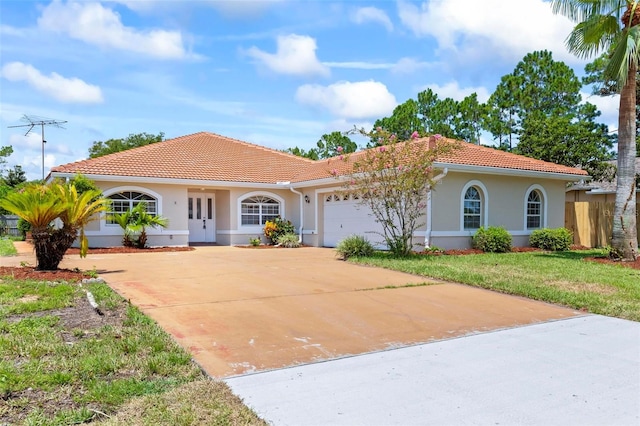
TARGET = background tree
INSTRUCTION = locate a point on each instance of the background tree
(5, 151)
(405, 119)
(539, 85)
(327, 147)
(598, 28)
(574, 140)
(311, 154)
(15, 176)
(99, 148)
(393, 181)
(431, 115)
(329, 144)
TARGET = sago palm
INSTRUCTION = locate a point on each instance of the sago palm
(41, 205)
(613, 25)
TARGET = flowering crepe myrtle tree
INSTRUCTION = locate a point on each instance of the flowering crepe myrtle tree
(393, 180)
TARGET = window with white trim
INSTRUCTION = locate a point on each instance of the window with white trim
(124, 201)
(534, 210)
(257, 210)
(472, 210)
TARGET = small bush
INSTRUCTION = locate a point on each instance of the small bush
(23, 227)
(494, 239)
(277, 227)
(354, 246)
(255, 241)
(288, 240)
(558, 239)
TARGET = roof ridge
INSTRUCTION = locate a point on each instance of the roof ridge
(261, 147)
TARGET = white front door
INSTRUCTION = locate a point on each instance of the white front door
(201, 214)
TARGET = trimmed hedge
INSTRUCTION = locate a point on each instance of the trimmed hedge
(494, 239)
(558, 239)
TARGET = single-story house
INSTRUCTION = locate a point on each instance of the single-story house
(215, 189)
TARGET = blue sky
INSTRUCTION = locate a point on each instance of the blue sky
(278, 73)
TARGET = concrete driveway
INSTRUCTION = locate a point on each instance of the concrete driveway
(306, 339)
(242, 310)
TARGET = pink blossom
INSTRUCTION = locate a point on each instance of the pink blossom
(334, 172)
(392, 137)
(352, 182)
(415, 135)
(378, 129)
(382, 149)
(437, 136)
(339, 149)
(341, 157)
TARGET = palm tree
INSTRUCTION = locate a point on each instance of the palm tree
(134, 223)
(598, 29)
(41, 205)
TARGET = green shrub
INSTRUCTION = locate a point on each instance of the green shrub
(288, 240)
(558, 239)
(23, 227)
(494, 239)
(254, 241)
(354, 246)
(277, 227)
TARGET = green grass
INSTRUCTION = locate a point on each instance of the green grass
(6, 247)
(60, 364)
(563, 278)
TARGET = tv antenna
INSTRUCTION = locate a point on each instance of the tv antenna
(33, 121)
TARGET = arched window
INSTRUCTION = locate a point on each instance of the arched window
(258, 209)
(472, 209)
(127, 200)
(534, 210)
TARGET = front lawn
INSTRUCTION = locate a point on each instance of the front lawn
(564, 278)
(63, 363)
(6, 247)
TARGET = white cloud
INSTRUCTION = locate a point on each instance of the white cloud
(94, 24)
(409, 66)
(360, 65)
(295, 55)
(362, 99)
(372, 14)
(68, 90)
(504, 27)
(454, 91)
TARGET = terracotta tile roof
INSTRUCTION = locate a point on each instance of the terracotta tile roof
(200, 156)
(466, 154)
(208, 156)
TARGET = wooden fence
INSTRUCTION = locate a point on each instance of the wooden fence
(9, 225)
(591, 222)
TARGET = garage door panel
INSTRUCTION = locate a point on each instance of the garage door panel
(347, 217)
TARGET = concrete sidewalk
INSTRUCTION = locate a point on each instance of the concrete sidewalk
(579, 371)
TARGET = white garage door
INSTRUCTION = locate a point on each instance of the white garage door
(344, 216)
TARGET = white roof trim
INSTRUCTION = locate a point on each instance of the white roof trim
(172, 181)
(511, 172)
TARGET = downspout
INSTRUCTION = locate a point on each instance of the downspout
(427, 233)
(301, 212)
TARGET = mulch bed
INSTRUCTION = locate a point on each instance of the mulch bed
(112, 250)
(30, 273)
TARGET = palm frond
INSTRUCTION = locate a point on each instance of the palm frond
(592, 36)
(625, 53)
(581, 10)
